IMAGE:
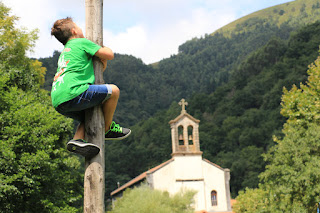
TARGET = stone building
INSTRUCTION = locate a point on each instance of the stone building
(187, 169)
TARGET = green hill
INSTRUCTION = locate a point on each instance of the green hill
(293, 13)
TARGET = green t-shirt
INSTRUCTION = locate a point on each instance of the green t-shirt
(75, 70)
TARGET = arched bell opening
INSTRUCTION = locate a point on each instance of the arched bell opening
(190, 135)
(180, 136)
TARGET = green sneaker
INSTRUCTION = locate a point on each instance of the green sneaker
(116, 132)
(83, 148)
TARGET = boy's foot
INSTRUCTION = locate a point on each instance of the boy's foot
(83, 148)
(116, 132)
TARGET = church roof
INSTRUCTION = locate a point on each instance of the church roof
(140, 177)
(181, 116)
(213, 164)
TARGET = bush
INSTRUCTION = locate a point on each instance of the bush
(145, 200)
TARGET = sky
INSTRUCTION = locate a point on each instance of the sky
(147, 29)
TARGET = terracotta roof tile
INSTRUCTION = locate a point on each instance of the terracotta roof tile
(233, 201)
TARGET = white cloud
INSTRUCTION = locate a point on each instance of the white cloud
(155, 43)
(41, 14)
(129, 42)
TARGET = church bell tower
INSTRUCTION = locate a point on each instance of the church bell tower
(185, 133)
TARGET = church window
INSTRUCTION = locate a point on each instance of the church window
(190, 135)
(180, 135)
(214, 201)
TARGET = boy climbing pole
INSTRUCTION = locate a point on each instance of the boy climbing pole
(73, 90)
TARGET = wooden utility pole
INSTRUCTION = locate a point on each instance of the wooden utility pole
(94, 178)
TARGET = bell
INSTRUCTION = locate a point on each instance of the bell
(180, 137)
(190, 138)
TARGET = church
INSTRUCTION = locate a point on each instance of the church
(187, 169)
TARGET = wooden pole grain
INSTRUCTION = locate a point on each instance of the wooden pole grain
(94, 178)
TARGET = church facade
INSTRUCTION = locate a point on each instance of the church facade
(187, 169)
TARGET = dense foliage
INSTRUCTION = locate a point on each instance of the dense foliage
(202, 65)
(146, 200)
(290, 182)
(237, 120)
(233, 85)
(37, 174)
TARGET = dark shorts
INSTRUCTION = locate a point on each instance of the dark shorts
(93, 96)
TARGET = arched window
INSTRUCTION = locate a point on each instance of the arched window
(214, 201)
(180, 135)
(190, 135)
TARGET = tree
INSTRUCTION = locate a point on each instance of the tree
(251, 200)
(145, 200)
(291, 180)
(37, 174)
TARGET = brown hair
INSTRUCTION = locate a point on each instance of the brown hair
(62, 29)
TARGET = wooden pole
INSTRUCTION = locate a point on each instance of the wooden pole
(94, 178)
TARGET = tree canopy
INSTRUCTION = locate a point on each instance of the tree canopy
(37, 174)
(290, 182)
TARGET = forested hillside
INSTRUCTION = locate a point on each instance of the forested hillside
(233, 85)
(237, 120)
(290, 182)
(202, 65)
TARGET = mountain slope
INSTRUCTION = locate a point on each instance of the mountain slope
(237, 120)
(293, 13)
(202, 64)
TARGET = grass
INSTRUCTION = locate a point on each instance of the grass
(294, 13)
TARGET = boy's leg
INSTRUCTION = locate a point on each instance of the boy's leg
(108, 95)
(113, 130)
(80, 132)
(110, 105)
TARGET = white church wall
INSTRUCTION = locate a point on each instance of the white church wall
(163, 179)
(214, 180)
(198, 186)
(188, 167)
(174, 178)
(189, 175)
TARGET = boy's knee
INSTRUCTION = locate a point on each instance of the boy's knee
(115, 90)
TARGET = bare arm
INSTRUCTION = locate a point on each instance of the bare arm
(104, 62)
(104, 53)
